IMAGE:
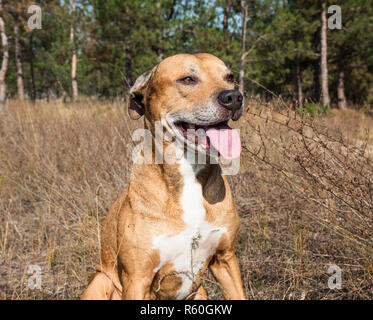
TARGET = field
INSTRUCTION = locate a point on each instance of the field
(304, 194)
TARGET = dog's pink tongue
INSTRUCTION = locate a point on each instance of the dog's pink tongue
(226, 141)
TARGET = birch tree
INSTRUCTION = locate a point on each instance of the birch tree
(4, 65)
(74, 60)
(18, 55)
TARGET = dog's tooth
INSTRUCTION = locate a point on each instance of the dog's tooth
(192, 126)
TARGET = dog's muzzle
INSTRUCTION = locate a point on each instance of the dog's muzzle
(231, 100)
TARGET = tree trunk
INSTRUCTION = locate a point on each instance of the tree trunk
(74, 61)
(227, 10)
(18, 49)
(31, 60)
(298, 82)
(244, 12)
(316, 81)
(324, 57)
(160, 54)
(4, 65)
(127, 54)
(159, 50)
(316, 90)
(341, 87)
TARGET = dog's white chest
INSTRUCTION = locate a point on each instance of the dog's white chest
(189, 249)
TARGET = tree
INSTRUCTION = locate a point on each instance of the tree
(17, 13)
(351, 54)
(18, 56)
(341, 80)
(227, 10)
(276, 45)
(244, 13)
(301, 16)
(316, 91)
(4, 65)
(324, 56)
(298, 82)
(74, 60)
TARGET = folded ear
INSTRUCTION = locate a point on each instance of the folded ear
(137, 94)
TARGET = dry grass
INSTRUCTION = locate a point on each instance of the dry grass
(304, 193)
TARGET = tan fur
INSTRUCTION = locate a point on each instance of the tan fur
(150, 205)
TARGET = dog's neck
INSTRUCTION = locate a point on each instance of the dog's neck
(173, 171)
(209, 175)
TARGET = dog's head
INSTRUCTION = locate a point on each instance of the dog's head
(193, 96)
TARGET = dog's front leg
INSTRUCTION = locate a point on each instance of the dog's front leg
(137, 274)
(137, 287)
(226, 270)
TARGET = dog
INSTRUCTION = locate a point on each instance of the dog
(175, 220)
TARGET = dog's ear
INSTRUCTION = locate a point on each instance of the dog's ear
(137, 94)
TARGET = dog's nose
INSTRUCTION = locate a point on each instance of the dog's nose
(230, 99)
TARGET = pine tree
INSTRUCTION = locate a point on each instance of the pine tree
(324, 56)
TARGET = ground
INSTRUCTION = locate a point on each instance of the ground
(304, 194)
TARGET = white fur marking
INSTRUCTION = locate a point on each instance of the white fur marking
(189, 249)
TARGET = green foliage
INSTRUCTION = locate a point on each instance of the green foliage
(314, 109)
(118, 40)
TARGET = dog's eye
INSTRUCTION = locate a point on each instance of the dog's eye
(230, 78)
(187, 80)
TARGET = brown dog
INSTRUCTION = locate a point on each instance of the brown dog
(175, 219)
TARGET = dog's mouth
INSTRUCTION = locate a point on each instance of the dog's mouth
(219, 136)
